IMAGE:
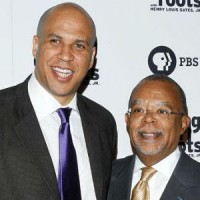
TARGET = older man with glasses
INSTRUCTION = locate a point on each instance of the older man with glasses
(157, 116)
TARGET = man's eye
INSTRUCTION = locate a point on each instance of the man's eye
(163, 112)
(54, 41)
(80, 46)
(137, 110)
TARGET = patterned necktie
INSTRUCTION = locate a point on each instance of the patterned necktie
(68, 177)
(141, 190)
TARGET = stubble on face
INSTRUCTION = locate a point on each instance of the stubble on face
(145, 141)
(154, 138)
(60, 65)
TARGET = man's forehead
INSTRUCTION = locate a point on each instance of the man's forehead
(156, 91)
(156, 86)
(155, 102)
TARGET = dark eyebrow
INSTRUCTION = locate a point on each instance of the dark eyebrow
(136, 101)
(164, 103)
(54, 35)
(82, 41)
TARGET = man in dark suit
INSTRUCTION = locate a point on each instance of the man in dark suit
(64, 51)
(157, 116)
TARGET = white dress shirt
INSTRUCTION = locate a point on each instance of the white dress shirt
(160, 179)
(45, 106)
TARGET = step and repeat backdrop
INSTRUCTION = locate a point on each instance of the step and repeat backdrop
(135, 39)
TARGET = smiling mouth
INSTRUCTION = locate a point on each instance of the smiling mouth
(149, 135)
(61, 72)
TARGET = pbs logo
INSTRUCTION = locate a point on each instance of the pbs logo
(162, 60)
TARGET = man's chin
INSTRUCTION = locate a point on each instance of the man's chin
(150, 151)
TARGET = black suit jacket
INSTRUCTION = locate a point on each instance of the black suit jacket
(26, 168)
(184, 183)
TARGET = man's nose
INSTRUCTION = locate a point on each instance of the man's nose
(149, 117)
(66, 53)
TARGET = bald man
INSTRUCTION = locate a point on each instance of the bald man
(63, 50)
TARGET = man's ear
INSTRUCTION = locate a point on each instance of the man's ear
(127, 120)
(92, 57)
(35, 45)
(185, 123)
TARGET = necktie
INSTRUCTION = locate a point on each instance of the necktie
(141, 190)
(68, 177)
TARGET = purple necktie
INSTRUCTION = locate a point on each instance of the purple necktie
(68, 177)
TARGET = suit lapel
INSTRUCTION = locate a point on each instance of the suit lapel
(28, 131)
(90, 129)
(121, 181)
(173, 188)
(178, 180)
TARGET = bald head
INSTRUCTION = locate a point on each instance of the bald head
(67, 9)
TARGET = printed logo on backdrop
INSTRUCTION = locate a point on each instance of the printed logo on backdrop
(162, 60)
(191, 147)
(93, 76)
(91, 79)
(189, 6)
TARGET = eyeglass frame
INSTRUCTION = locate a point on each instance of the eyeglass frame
(168, 114)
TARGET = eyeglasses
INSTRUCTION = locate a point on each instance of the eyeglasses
(160, 113)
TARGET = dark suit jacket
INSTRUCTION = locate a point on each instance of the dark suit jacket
(26, 168)
(184, 183)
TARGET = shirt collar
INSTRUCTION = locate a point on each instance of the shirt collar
(165, 166)
(43, 102)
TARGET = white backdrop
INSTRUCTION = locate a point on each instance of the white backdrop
(127, 32)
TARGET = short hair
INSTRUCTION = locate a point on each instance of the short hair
(164, 78)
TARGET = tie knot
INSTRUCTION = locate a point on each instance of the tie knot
(141, 190)
(64, 114)
(147, 173)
